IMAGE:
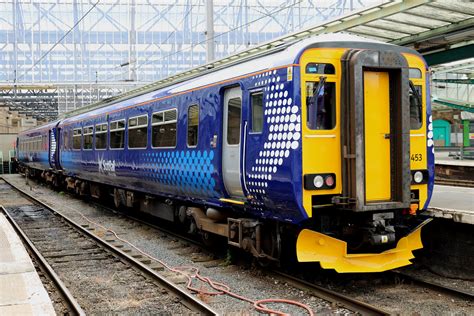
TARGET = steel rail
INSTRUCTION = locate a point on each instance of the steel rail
(435, 286)
(331, 296)
(455, 183)
(325, 294)
(187, 298)
(68, 298)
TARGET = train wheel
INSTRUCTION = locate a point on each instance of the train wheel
(270, 245)
(117, 198)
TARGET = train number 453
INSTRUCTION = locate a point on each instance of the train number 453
(416, 157)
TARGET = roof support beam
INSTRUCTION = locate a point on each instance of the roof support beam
(463, 106)
(440, 31)
(450, 55)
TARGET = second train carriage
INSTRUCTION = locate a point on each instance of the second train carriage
(329, 139)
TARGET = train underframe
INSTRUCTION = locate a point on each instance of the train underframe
(367, 242)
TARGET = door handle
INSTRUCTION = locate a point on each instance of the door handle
(387, 136)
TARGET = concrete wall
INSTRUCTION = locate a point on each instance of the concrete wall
(7, 142)
(11, 123)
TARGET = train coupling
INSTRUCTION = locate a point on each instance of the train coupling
(331, 253)
(379, 232)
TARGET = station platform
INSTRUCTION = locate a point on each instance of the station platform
(456, 203)
(443, 158)
(21, 290)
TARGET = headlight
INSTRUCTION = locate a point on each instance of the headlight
(418, 177)
(318, 182)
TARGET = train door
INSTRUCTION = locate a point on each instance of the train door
(377, 136)
(53, 148)
(231, 158)
(375, 131)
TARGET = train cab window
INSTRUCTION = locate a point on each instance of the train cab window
(163, 130)
(138, 132)
(101, 136)
(76, 138)
(321, 104)
(256, 100)
(117, 134)
(88, 136)
(416, 107)
(414, 73)
(193, 125)
(323, 69)
(233, 121)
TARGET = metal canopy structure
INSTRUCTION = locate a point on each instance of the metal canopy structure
(431, 27)
(421, 24)
(453, 85)
(91, 49)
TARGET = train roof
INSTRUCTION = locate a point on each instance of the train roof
(40, 128)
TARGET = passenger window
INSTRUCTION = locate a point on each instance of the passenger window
(64, 140)
(163, 131)
(416, 106)
(323, 69)
(233, 121)
(321, 104)
(88, 134)
(138, 132)
(256, 100)
(101, 136)
(193, 125)
(117, 134)
(76, 138)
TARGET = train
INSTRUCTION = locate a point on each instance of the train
(323, 146)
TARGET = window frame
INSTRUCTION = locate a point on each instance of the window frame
(89, 133)
(164, 123)
(330, 79)
(241, 125)
(110, 130)
(418, 82)
(147, 125)
(187, 126)
(80, 136)
(252, 92)
(101, 132)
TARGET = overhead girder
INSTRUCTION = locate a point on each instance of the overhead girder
(132, 50)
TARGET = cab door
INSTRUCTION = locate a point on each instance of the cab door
(377, 136)
(231, 142)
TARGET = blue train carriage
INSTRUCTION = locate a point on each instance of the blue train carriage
(325, 145)
(38, 150)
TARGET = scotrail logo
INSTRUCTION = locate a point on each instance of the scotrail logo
(107, 166)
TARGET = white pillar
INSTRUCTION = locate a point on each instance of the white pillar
(209, 31)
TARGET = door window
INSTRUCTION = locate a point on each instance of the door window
(233, 121)
(256, 100)
(193, 125)
(321, 104)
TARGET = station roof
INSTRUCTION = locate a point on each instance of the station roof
(425, 25)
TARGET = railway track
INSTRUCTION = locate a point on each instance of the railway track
(456, 183)
(335, 298)
(92, 275)
(434, 286)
